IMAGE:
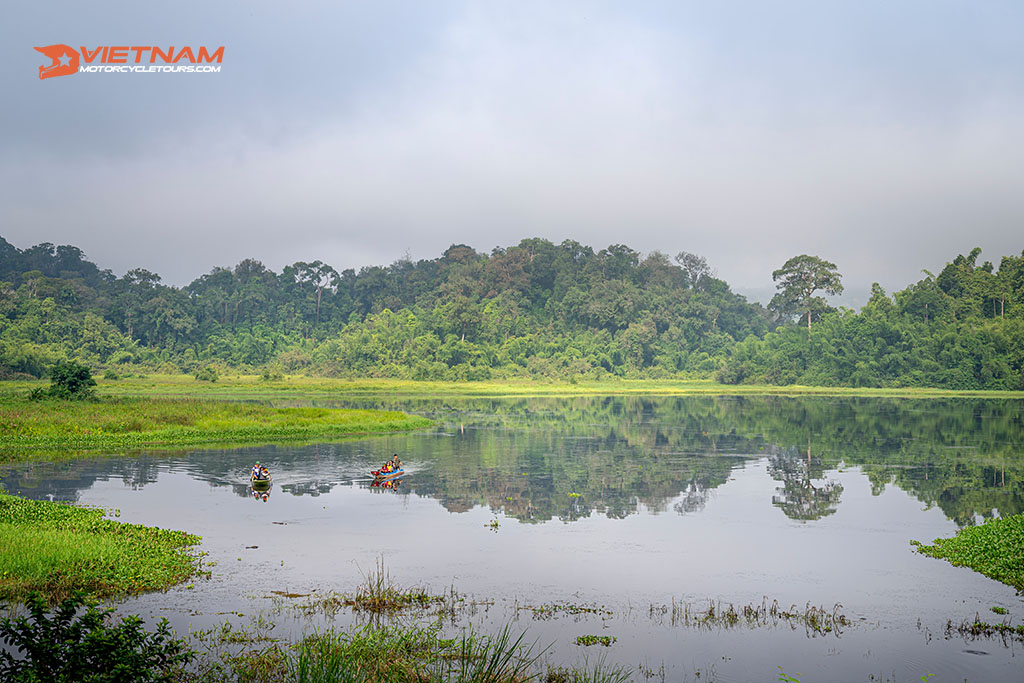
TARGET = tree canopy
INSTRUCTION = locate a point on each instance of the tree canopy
(534, 309)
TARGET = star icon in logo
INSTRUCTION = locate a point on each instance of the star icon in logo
(65, 60)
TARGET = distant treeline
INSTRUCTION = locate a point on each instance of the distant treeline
(536, 309)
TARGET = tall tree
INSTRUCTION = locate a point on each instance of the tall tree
(797, 281)
(696, 268)
(319, 276)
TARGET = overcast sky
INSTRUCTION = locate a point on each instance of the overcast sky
(884, 136)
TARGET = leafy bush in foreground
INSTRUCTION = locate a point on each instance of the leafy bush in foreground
(88, 647)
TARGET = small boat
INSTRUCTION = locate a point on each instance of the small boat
(387, 475)
(257, 483)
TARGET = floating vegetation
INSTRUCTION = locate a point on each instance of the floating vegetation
(995, 548)
(493, 524)
(557, 609)
(715, 614)
(58, 549)
(999, 610)
(980, 629)
(595, 640)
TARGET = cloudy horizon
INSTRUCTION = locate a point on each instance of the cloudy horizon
(883, 138)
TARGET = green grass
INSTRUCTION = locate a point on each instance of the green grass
(255, 387)
(56, 549)
(995, 548)
(68, 427)
(370, 653)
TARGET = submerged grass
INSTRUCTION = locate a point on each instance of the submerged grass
(995, 549)
(976, 628)
(49, 427)
(57, 549)
(817, 621)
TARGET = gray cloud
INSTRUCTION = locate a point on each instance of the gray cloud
(883, 138)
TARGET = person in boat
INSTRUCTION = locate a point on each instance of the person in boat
(264, 473)
(390, 466)
(256, 471)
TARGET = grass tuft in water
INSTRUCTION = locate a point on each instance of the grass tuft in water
(977, 628)
(815, 620)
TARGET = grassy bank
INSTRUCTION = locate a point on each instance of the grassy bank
(56, 549)
(62, 427)
(995, 548)
(255, 387)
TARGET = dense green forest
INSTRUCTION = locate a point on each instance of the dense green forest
(536, 309)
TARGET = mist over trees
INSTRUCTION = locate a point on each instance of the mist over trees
(536, 309)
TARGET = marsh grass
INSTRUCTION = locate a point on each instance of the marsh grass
(715, 614)
(995, 549)
(977, 628)
(373, 652)
(58, 427)
(380, 593)
(600, 671)
(256, 387)
(58, 549)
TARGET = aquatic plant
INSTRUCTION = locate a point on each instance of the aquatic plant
(595, 640)
(548, 611)
(815, 620)
(977, 628)
(57, 549)
(598, 672)
(786, 678)
(995, 549)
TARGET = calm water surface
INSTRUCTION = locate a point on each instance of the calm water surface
(625, 505)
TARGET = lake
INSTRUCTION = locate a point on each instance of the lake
(614, 516)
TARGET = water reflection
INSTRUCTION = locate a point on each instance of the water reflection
(799, 497)
(385, 484)
(261, 492)
(541, 459)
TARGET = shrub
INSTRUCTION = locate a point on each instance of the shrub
(88, 647)
(68, 380)
(207, 374)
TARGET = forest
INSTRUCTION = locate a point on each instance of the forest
(534, 310)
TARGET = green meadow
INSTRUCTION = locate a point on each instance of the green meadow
(54, 428)
(255, 387)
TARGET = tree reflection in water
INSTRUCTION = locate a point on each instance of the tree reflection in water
(798, 497)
